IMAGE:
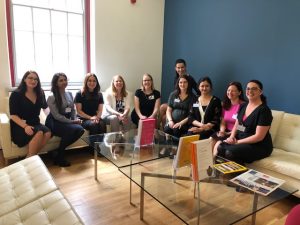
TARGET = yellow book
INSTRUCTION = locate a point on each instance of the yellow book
(184, 151)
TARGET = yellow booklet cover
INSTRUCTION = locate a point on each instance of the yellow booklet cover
(184, 151)
(229, 167)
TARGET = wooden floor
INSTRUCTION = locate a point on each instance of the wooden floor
(107, 201)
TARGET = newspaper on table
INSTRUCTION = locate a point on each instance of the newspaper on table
(258, 182)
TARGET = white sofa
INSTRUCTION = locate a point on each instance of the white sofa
(11, 150)
(284, 162)
(29, 196)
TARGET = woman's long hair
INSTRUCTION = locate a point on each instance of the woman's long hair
(23, 87)
(55, 90)
(85, 90)
(113, 88)
(150, 77)
(227, 102)
(177, 89)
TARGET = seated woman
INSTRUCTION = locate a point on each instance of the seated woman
(233, 98)
(180, 69)
(146, 101)
(117, 102)
(179, 104)
(250, 139)
(89, 105)
(61, 119)
(25, 104)
(205, 114)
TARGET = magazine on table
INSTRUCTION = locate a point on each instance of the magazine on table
(258, 182)
(229, 167)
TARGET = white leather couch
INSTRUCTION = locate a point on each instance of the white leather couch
(29, 196)
(11, 150)
(284, 162)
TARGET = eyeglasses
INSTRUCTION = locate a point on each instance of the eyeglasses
(146, 80)
(32, 78)
(252, 89)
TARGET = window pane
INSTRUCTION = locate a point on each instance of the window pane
(75, 24)
(41, 20)
(39, 3)
(59, 22)
(74, 5)
(24, 52)
(58, 4)
(60, 53)
(76, 58)
(43, 56)
(22, 18)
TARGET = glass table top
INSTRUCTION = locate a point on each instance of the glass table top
(120, 147)
(221, 202)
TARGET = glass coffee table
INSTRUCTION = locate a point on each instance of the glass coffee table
(120, 148)
(214, 200)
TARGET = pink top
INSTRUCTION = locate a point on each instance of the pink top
(230, 116)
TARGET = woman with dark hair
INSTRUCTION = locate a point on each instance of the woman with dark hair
(180, 69)
(61, 119)
(205, 114)
(250, 139)
(233, 98)
(179, 104)
(117, 102)
(89, 105)
(146, 101)
(25, 104)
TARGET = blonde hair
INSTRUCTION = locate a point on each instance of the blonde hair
(113, 88)
(152, 85)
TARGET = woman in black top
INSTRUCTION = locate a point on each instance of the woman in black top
(146, 101)
(179, 104)
(180, 69)
(250, 139)
(206, 112)
(25, 104)
(89, 105)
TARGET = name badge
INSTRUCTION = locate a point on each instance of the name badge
(151, 97)
(68, 110)
(241, 128)
(196, 105)
(234, 116)
(176, 100)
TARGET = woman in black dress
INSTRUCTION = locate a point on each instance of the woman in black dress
(146, 101)
(250, 139)
(89, 105)
(25, 104)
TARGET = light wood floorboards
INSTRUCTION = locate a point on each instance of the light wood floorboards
(107, 201)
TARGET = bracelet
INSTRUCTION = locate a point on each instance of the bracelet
(25, 126)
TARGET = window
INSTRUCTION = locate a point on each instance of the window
(49, 36)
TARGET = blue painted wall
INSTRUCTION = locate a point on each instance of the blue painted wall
(236, 40)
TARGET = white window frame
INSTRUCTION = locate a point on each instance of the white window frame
(17, 75)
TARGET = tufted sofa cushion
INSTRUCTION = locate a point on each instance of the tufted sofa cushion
(52, 208)
(288, 134)
(24, 182)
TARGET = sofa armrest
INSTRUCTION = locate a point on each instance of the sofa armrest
(5, 136)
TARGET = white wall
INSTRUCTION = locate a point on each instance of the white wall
(128, 41)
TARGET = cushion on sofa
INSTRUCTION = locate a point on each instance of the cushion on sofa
(24, 182)
(277, 117)
(287, 137)
(52, 208)
(280, 161)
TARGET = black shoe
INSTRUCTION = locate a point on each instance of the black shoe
(62, 163)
